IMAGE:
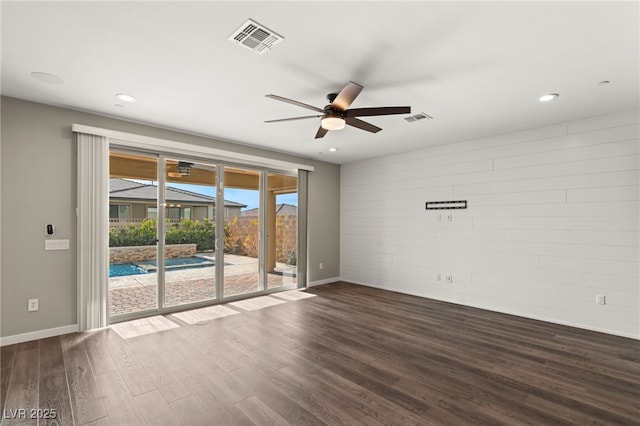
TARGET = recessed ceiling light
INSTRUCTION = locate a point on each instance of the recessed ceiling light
(125, 97)
(548, 97)
(47, 78)
(333, 149)
(119, 106)
(604, 83)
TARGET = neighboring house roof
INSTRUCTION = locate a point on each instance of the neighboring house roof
(124, 189)
(116, 184)
(281, 210)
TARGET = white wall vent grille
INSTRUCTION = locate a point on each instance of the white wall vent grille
(255, 37)
(418, 117)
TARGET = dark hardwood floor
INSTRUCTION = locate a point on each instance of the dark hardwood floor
(351, 355)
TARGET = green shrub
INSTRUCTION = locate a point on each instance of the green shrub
(201, 233)
(134, 235)
(293, 259)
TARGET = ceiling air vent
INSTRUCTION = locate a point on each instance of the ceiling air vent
(418, 117)
(255, 37)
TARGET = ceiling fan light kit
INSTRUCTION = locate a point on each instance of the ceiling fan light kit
(333, 122)
(337, 114)
(184, 168)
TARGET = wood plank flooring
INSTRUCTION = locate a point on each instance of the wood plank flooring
(351, 355)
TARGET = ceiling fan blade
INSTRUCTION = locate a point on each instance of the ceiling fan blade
(346, 96)
(364, 112)
(293, 118)
(362, 125)
(321, 132)
(291, 101)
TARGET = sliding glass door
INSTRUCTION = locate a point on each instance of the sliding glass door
(190, 232)
(133, 241)
(282, 225)
(242, 225)
(188, 270)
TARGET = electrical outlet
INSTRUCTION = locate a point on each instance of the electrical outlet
(321, 265)
(438, 277)
(439, 218)
(601, 299)
(448, 278)
(449, 218)
(32, 306)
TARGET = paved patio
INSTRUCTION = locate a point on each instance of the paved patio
(134, 293)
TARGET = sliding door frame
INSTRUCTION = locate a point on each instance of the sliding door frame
(93, 313)
(160, 231)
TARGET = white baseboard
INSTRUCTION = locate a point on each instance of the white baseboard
(40, 334)
(502, 311)
(567, 323)
(322, 282)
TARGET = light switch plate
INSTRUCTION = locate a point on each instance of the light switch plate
(56, 244)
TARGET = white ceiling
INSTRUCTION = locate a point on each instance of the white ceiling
(477, 67)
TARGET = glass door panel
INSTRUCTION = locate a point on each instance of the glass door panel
(133, 287)
(241, 217)
(282, 225)
(189, 232)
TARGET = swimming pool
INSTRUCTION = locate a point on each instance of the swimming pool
(149, 266)
(125, 269)
(178, 262)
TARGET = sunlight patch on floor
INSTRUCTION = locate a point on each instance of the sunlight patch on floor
(256, 303)
(158, 323)
(204, 314)
(140, 327)
(293, 295)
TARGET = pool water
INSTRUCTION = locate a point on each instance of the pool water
(149, 266)
(124, 269)
(180, 261)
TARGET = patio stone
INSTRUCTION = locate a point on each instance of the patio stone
(135, 293)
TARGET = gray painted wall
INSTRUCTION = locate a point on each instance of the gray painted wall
(38, 186)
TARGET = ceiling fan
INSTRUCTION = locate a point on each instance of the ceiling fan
(337, 114)
(184, 168)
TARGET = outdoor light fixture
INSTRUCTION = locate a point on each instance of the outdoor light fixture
(184, 168)
(332, 121)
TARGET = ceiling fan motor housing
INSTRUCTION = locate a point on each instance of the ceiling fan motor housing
(330, 110)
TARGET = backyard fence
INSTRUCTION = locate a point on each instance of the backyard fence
(243, 237)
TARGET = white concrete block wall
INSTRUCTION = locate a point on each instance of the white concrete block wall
(552, 221)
